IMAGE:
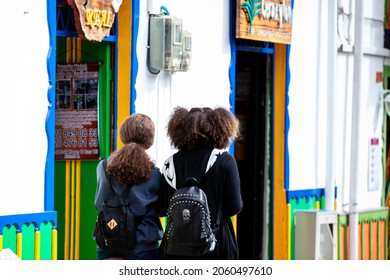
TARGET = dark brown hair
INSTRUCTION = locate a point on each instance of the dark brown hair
(202, 127)
(139, 129)
(131, 164)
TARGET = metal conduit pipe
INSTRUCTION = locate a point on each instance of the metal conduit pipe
(355, 142)
(331, 96)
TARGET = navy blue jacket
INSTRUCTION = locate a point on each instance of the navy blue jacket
(143, 198)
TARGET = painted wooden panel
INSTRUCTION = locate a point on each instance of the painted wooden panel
(372, 235)
(30, 243)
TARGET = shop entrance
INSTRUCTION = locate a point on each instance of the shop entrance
(252, 151)
(84, 92)
(83, 131)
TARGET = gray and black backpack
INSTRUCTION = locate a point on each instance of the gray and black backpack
(189, 231)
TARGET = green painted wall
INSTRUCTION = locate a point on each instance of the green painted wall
(90, 52)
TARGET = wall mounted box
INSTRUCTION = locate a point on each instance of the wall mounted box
(315, 235)
(170, 47)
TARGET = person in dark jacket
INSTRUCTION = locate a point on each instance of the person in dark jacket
(132, 166)
(201, 134)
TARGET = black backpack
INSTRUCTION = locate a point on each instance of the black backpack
(188, 231)
(115, 225)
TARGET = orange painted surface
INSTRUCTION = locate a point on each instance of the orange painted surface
(124, 62)
(342, 243)
(374, 245)
(371, 239)
(366, 241)
(280, 207)
(382, 240)
(359, 242)
(346, 249)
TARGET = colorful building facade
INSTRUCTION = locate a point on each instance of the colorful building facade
(305, 86)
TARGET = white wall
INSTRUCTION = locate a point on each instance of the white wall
(207, 81)
(308, 91)
(24, 83)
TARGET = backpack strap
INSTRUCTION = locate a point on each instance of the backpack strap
(215, 153)
(127, 189)
(137, 220)
(212, 159)
(218, 222)
(170, 177)
(169, 172)
(169, 168)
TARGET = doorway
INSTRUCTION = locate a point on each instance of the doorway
(252, 151)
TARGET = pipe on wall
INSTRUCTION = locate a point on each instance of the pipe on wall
(331, 96)
(355, 142)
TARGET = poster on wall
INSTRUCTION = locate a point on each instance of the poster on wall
(264, 20)
(76, 129)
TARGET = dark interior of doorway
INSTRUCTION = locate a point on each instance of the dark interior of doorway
(252, 108)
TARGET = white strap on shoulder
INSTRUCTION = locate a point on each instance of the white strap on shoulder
(169, 172)
(169, 169)
(213, 157)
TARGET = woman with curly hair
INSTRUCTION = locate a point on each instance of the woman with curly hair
(132, 166)
(200, 135)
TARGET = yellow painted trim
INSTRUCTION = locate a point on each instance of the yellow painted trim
(78, 188)
(78, 181)
(1, 242)
(78, 50)
(67, 209)
(124, 62)
(74, 50)
(54, 244)
(69, 59)
(234, 221)
(163, 222)
(37, 245)
(280, 208)
(317, 205)
(289, 231)
(72, 210)
(19, 245)
(68, 50)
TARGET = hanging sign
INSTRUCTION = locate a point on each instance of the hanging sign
(374, 164)
(94, 18)
(265, 20)
(76, 129)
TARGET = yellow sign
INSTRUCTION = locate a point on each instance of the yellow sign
(98, 18)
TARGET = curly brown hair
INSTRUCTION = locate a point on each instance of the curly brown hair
(131, 164)
(202, 127)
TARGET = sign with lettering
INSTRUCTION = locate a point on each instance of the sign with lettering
(94, 18)
(76, 129)
(264, 20)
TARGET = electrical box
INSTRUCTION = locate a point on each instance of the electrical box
(169, 45)
(315, 235)
(187, 51)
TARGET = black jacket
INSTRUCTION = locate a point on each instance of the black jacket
(221, 184)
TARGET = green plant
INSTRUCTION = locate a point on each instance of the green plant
(252, 9)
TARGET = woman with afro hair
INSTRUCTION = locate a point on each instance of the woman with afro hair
(131, 166)
(200, 135)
